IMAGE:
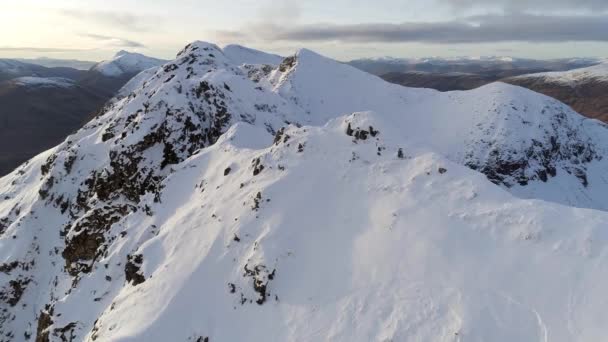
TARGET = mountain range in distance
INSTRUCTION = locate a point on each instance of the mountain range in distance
(58, 63)
(58, 109)
(578, 82)
(40, 105)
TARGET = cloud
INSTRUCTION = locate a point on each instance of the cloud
(530, 5)
(37, 49)
(123, 20)
(280, 12)
(114, 41)
(473, 29)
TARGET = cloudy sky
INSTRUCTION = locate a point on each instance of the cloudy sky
(343, 29)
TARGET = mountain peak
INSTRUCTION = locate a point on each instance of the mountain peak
(198, 47)
(126, 63)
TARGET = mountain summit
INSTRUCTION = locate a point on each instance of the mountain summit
(126, 63)
(300, 199)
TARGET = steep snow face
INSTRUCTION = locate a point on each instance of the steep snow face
(126, 63)
(44, 82)
(531, 144)
(135, 82)
(308, 201)
(574, 77)
(335, 241)
(242, 55)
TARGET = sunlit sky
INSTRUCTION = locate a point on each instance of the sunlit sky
(343, 29)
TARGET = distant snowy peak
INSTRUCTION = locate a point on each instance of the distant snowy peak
(126, 63)
(573, 77)
(44, 82)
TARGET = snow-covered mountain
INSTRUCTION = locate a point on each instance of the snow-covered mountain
(584, 89)
(574, 77)
(305, 200)
(108, 77)
(39, 106)
(126, 63)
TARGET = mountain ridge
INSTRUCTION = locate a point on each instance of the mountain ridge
(583, 89)
(125, 62)
(308, 201)
(40, 106)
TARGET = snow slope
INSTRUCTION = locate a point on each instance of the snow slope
(126, 63)
(243, 55)
(221, 199)
(573, 77)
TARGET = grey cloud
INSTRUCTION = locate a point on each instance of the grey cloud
(528, 5)
(114, 41)
(477, 29)
(280, 12)
(124, 20)
(37, 49)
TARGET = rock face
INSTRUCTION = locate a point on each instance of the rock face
(304, 200)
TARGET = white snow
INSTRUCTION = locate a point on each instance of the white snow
(296, 226)
(136, 82)
(573, 77)
(242, 55)
(126, 63)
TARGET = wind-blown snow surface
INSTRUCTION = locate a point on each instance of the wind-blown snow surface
(308, 201)
(126, 63)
